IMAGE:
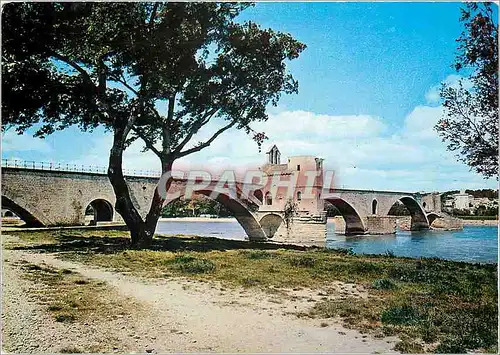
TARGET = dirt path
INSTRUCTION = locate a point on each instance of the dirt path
(181, 316)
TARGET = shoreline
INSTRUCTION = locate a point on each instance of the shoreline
(480, 222)
(196, 219)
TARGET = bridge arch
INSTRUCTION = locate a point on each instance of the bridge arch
(418, 216)
(28, 217)
(353, 222)
(101, 209)
(431, 217)
(8, 213)
(270, 224)
(241, 212)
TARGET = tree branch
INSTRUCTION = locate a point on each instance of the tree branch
(165, 129)
(207, 143)
(195, 128)
(148, 143)
(124, 83)
(75, 66)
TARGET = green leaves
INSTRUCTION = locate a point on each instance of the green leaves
(111, 63)
(470, 122)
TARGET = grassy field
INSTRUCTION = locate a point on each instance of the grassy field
(431, 304)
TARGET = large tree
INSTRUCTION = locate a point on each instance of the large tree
(470, 121)
(158, 72)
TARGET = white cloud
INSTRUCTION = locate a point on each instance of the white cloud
(453, 80)
(11, 141)
(358, 148)
(296, 123)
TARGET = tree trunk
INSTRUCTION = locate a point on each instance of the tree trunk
(156, 207)
(141, 231)
(124, 205)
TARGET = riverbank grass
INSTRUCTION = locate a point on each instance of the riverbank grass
(431, 304)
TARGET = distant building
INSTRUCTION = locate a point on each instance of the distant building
(307, 192)
(462, 200)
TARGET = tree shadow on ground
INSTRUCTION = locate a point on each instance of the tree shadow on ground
(110, 245)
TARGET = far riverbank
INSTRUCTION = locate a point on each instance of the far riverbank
(466, 222)
(480, 222)
(197, 219)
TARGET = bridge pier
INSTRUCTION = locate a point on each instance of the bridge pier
(380, 224)
(303, 229)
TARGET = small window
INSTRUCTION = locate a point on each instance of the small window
(374, 207)
(425, 205)
(299, 196)
(269, 199)
(298, 167)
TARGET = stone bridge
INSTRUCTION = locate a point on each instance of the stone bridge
(367, 211)
(61, 198)
(44, 197)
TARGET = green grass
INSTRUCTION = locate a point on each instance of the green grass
(431, 304)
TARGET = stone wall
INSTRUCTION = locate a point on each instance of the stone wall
(303, 230)
(381, 224)
(403, 222)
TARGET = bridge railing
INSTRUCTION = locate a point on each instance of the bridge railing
(53, 166)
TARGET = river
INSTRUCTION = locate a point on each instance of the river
(472, 244)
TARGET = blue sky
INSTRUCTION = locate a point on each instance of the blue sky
(367, 101)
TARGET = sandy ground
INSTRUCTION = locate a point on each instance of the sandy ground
(176, 315)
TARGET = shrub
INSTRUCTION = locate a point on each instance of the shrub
(409, 347)
(400, 315)
(192, 265)
(258, 254)
(383, 284)
(303, 261)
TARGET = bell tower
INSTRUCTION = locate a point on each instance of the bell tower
(273, 155)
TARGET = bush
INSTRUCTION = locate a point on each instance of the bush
(409, 347)
(366, 267)
(401, 315)
(303, 261)
(258, 254)
(192, 265)
(383, 284)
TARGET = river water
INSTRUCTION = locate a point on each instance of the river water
(472, 244)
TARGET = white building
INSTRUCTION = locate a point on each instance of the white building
(462, 200)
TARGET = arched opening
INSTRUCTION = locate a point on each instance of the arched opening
(409, 206)
(270, 224)
(29, 219)
(9, 214)
(374, 206)
(299, 196)
(424, 204)
(258, 195)
(269, 199)
(431, 217)
(100, 210)
(353, 222)
(241, 212)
